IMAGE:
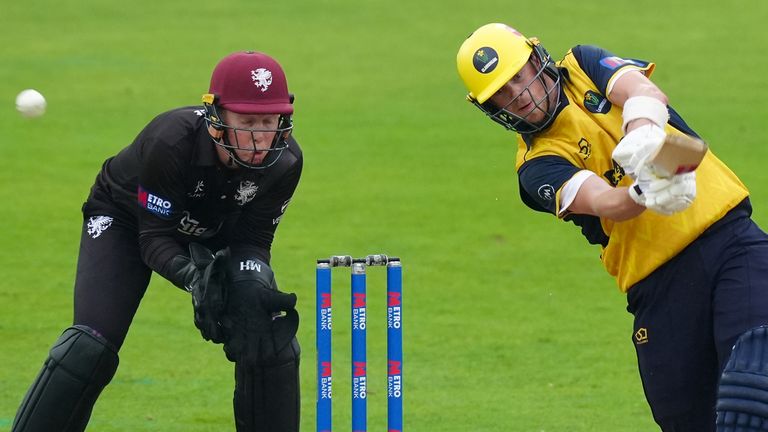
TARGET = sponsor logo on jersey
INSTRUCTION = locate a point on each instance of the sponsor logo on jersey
(585, 148)
(198, 191)
(98, 224)
(262, 78)
(596, 103)
(614, 62)
(547, 192)
(154, 204)
(190, 226)
(485, 60)
(246, 192)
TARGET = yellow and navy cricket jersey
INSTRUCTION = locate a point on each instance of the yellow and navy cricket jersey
(582, 136)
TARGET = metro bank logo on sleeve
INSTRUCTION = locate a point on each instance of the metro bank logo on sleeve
(154, 204)
(614, 62)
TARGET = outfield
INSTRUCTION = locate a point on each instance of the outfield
(510, 322)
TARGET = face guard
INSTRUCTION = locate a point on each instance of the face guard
(249, 82)
(494, 54)
(279, 142)
(545, 104)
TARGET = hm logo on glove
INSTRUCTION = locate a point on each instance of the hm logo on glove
(250, 265)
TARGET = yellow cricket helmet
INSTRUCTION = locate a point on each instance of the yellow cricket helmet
(490, 57)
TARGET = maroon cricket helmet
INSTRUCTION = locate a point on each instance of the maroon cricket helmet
(250, 82)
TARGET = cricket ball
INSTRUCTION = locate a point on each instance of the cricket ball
(30, 103)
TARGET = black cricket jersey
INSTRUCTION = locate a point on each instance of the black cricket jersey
(170, 185)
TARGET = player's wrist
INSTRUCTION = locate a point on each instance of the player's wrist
(636, 194)
(181, 271)
(638, 123)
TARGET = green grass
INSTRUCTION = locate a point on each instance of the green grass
(510, 322)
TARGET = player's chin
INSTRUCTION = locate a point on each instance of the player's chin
(257, 158)
(535, 116)
(250, 156)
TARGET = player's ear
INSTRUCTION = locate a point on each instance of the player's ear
(286, 121)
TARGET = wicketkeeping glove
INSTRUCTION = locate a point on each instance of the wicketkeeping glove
(203, 274)
(259, 320)
(636, 146)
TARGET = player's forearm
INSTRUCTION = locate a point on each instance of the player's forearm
(616, 204)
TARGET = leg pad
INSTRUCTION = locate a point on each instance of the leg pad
(742, 399)
(267, 393)
(79, 366)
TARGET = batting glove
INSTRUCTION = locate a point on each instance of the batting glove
(664, 196)
(636, 146)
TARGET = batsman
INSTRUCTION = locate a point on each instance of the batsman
(197, 198)
(681, 245)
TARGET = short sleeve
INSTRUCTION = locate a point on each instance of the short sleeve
(541, 179)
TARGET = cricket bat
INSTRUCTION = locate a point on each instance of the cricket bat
(678, 154)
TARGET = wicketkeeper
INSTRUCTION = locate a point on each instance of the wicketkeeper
(197, 198)
(684, 248)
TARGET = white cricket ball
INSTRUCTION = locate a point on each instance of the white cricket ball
(30, 103)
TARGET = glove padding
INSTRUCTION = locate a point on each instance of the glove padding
(203, 274)
(664, 195)
(259, 321)
(636, 147)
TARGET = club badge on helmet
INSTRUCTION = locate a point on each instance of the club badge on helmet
(249, 82)
(491, 56)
